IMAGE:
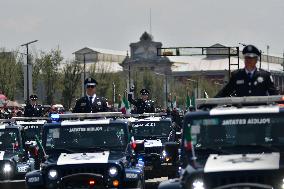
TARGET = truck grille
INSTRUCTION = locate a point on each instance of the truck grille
(86, 169)
(244, 177)
(156, 150)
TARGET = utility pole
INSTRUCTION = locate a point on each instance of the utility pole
(27, 47)
(283, 61)
(113, 94)
(150, 21)
(129, 80)
(267, 49)
(84, 67)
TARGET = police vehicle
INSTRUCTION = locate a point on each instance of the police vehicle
(152, 137)
(14, 160)
(239, 146)
(87, 153)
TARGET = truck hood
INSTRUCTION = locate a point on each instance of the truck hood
(242, 162)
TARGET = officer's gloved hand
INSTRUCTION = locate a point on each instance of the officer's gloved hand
(130, 96)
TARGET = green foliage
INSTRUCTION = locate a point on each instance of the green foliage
(10, 74)
(61, 82)
(71, 82)
(49, 66)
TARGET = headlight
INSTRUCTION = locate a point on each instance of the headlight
(112, 171)
(282, 184)
(198, 184)
(164, 154)
(52, 174)
(7, 168)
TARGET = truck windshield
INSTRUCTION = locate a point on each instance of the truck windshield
(235, 130)
(32, 130)
(9, 139)
(150, 128)
(80, 137)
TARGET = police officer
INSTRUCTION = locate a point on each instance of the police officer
(143, 104)
(33, 109)
(91, 103)
(249, 81)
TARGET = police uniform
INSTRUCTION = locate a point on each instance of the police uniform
(87, 105)
(142, 106)
(244, 83)
(33, 110)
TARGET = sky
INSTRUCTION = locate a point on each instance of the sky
(113, 24)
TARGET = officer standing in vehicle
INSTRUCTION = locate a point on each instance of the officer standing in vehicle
(33, 109)
(91, 103)
(143, 104)
(249, 81)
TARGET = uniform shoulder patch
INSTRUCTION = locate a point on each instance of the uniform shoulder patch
(260, 79)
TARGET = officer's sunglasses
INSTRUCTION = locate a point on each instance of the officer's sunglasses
(91, 86)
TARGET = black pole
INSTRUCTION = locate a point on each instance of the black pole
(260, 59)
(84, 67)
(129, 82)
(238, 52)
(283, 61)
(113, 95)
(28, 86)
(197, 89)
(229, 54)
(166, 78)
(27, 46)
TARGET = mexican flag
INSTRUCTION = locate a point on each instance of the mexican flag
(206, 95)
(193, 99)
(188, 101)
(169, 103)
(187, 138)
(188, 142)
(175, 102)
(124, 105)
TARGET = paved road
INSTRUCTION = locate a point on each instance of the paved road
(20, 184)
(15, 184)
(153, 183)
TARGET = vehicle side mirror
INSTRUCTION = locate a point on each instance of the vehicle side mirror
(139, 147)
(171, 150)
(178, 135)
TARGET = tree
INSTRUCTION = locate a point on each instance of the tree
(49, 67)
(101, 72)
(10, 74)
(71, 82)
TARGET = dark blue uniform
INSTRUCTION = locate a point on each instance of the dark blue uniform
(142, 106)
(35, 110)
(84, 105)
(241, 84)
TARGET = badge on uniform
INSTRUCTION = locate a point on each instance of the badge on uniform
(83, 104)
(239, 82)
(99, 103)
(260, 79)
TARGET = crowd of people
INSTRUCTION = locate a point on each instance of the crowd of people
(30, 109)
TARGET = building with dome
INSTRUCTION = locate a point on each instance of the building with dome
(143, 56)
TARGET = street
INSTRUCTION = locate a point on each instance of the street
(20, 184)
